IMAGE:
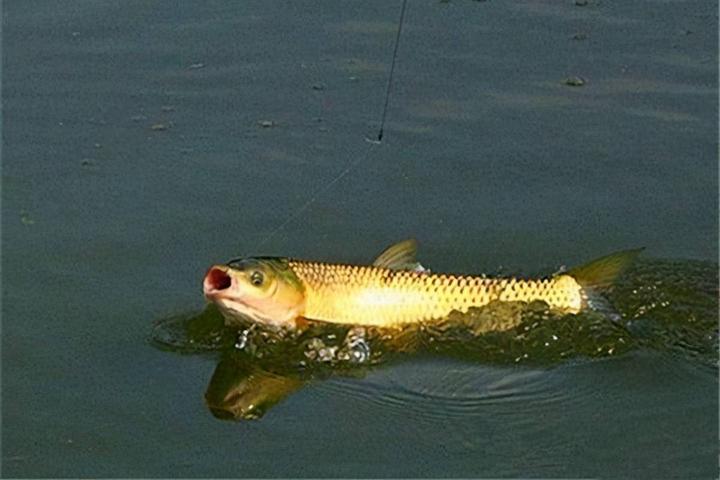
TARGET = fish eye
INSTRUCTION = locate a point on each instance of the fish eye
(257, 278)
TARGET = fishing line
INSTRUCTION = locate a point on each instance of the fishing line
(361, 158)
(318, 194)
(392, 70)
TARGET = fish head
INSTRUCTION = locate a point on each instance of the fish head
(262, 289)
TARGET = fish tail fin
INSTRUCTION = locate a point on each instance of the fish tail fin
(599, 275)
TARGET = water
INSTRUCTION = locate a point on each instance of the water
(134, 156)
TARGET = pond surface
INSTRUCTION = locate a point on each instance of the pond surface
(145, 141)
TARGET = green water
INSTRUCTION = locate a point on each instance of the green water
(145, 141)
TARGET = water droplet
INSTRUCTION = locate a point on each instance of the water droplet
(242, 339)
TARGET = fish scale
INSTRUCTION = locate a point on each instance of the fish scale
(369, 295)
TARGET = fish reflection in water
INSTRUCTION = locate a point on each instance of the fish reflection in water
(250, 378)
(243, 390)
(663, 305)
(265, 366)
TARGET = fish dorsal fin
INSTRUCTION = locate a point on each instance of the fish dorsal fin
(400, 256)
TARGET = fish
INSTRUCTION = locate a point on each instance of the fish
(394, 291)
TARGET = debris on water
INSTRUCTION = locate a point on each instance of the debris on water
(25, 218)
(267, 123)
(581, 3)
(580, 36)
(138, 118)
(160, 127)
(574, 81)
(318, 86)
(167, 108)
(87, 163)
(353, 78)
(196, 66)
(97, 145)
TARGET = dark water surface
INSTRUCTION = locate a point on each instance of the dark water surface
(144, 141)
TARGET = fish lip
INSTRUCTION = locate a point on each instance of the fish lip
(216, 282)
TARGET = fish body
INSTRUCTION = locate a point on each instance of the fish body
(394, 291)
(369, 295)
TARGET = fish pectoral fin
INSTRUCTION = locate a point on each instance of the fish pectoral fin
(400, 256)
(302, 323)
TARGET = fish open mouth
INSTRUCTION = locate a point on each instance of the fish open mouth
(216, 280)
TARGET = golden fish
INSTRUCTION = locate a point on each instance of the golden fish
(394, 291)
